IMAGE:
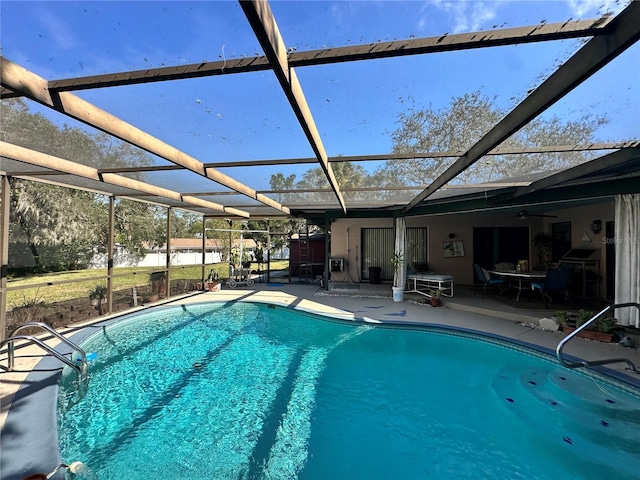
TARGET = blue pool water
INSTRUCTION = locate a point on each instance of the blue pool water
(226, 391)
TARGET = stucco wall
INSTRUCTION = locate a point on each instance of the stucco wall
(581, 219)
(346, 243)
(346, 238)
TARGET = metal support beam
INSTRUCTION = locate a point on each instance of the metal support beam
(268, 251)
(204, 246)
(110, 253)
(369, 158)
(414, 46)
(613, 159)
(36, 88)
(33, 157)
(261, 19)
(5, 196)
(168, 253)
(327, 255)
(622, 32)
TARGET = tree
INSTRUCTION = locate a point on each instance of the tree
(347, 174)
(279, 182)
(463, 122)
(286, 184)
(139, 226)
(456, 127)
(56, 225)
(63, 227)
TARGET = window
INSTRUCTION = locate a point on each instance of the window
(560, 240)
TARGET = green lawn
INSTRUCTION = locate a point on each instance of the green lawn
(135, 277)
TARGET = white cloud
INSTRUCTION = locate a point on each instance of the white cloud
(58, 31)
(465, 15)
(589, 8)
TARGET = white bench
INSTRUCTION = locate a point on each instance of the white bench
(425, 283)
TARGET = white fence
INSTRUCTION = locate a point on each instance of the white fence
(159, 258)
(156, 259)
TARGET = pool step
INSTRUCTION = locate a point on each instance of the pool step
(572, 411)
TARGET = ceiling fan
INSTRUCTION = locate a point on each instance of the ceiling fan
(524, 214)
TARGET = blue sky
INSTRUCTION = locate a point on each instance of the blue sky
(356, 106)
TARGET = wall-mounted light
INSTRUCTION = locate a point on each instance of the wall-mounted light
(596, 226)
(452, 235)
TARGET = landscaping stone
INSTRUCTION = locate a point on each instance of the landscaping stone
(550, 324)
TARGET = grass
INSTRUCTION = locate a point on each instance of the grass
(136, 277)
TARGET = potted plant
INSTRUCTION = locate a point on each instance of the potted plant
(604, 329)
(213, 281)
(609, 325)
(158, 282)
(398, 263)
(561, 316)
(434, 297)
(246, 260)
(234, 258)
(583, 317)
(98, 297)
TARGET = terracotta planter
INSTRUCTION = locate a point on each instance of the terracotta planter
(590, 334)
(435, 302)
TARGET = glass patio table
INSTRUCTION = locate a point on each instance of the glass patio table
(518, 280)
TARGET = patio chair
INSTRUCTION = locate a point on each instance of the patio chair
(558, 280)
(486, 280)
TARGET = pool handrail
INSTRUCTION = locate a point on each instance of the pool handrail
(630, 365)
(81, 370)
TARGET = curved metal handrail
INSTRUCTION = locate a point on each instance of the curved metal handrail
(44, 326)
(81, 371)
(630, 365)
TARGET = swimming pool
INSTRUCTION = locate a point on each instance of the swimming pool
(241, 390)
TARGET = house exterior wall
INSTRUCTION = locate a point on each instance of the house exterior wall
(346, 238)
(346, 243)
(581, 219)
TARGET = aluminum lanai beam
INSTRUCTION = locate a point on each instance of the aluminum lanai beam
(36, 88)
(611, 160)
(260, 17)
(33, 157)
(387, 156)
(442, 154)
(622, 32)
(369, 51)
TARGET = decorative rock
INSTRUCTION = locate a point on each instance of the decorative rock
(627, 342)
(549, 324)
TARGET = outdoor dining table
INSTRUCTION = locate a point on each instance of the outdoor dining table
(518, 280)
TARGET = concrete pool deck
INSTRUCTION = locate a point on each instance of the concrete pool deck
(365, 302)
